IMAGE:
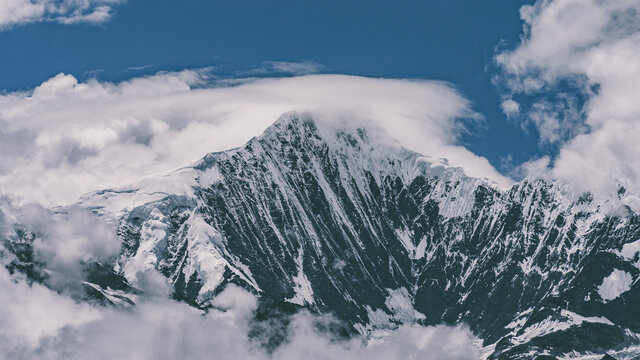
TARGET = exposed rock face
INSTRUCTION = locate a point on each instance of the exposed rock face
(340, 219)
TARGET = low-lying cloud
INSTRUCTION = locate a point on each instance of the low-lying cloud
(58, 246)
(69, 238)
(66, 138)
(42, 321)
(39, 323)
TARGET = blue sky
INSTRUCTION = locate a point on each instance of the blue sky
(450, 40)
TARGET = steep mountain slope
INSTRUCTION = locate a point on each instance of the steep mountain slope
(338, 218)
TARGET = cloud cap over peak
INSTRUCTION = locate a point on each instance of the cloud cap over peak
(66, 138)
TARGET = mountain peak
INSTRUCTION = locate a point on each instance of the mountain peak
(307, 127)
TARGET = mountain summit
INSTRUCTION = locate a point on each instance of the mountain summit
(340, 219)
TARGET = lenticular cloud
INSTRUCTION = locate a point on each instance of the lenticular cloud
(66, 138)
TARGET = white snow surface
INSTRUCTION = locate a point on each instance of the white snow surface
(550, 325)
(400, 303)
(150, 189)
(302, 285)
(205, 259)
(614, 285)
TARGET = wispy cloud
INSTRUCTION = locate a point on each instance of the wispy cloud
(286, 67)
(138, 68)
(158, 327)
(295, 68)
(19, 12)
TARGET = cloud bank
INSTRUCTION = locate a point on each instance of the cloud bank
(579, 60)
(66, 240)
(66, 138)
(39, 323)
(18, 12)
(162, 329)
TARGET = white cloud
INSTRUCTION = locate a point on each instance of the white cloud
(510, 107)
(66, 138)
(30, 313)
(556, 121)
(66, 240)
(63, 242)
(592, 45)
(38, 323)
(17, 12)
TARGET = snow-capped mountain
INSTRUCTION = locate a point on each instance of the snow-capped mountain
(340, 219)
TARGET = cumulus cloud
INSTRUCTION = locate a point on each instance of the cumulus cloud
(39, 323)
(406, 342)
(64, 245)
(591, 48)
(66, 138)
(17, 12)
(67, 240)
(30, 313)
(510, 107)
